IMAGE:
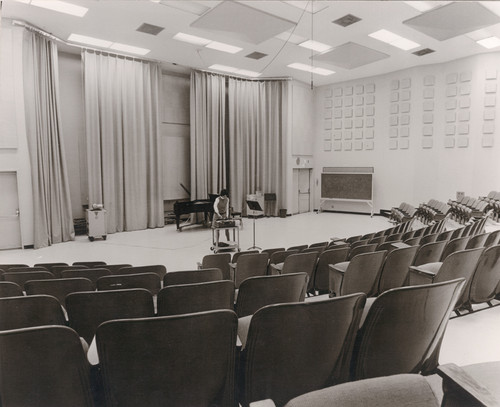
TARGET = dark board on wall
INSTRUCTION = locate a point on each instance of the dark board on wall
(346, 186)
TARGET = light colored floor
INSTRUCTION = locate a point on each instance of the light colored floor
(470, 339)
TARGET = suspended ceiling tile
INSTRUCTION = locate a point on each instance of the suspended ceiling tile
(242, 22)
(453, 19)
(351, 55)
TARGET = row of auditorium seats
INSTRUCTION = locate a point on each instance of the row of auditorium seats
(190, 359)
(461, 211)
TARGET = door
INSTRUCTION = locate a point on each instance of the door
(10, 225)
(304, 190)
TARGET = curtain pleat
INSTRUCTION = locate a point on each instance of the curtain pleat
(123, 148)
(53, 222)
(258, 116)
(208, 135)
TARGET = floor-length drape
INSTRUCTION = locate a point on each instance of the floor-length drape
(53, 221)
(123, 143)
(208, 135)
(258, 117)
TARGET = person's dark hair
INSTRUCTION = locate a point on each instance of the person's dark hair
(223, 192)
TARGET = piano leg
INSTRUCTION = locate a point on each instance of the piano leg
(177, 221)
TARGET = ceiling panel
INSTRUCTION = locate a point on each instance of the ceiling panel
(453, 19)
(351, 55)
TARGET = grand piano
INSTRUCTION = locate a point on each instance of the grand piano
(188, 207)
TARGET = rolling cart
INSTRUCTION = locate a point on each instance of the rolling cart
(234, 232)
(96, 223)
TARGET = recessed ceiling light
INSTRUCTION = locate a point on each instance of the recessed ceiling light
(129, 48)
(490, 42)
(61, 7)
(309, 68)
(393, 39)
(230, 69)
(315, 46)
(220, 46)
(426, 5)
(309, 6)
(223, 68)
(293, 38)
(191, 39)
(83, 39)
(246, 72)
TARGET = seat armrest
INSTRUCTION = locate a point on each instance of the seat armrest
(456, 379)
(332, 268)
(263, 403)
(419, 270)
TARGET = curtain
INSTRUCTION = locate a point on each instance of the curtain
(123, 140)
(208, 135)
(52, 215)
(258, 117)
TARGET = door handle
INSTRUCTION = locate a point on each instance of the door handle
(17, 212)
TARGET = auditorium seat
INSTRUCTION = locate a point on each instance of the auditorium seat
(91, 273)
(59, 287)
(29, 311)
(44, 366)
(392, 391)
(470, 385)
(279, 257)
(250, 265)
(273, 250)
(321, 275)
(20, 278)
(429, 253)
(49, 266)
(27, 269)
(179, 361)
(92, 263)
(361, 274)
(57, 270)
(257, 292)
(292, 349)
(113, 268)
(236, 255)
(365, 248)
(403, 330)
(299, 247)
(148, 281)
(493, 239)
(7, 266)
(218, 260)
(192, 276)
(87, 310)
(477, 241)
(486, 277)
(10, 289)
(395, 269)
(453, 246)
(189, 298)
(461, 264)
(159, 269)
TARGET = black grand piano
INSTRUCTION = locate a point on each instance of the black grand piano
(188, 207)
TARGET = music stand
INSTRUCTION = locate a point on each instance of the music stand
(254, 206)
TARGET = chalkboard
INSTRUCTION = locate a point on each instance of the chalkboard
(346, 186)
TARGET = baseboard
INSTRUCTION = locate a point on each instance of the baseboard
(350, 212)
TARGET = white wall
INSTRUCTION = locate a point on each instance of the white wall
(14, 155)
(428, 132)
